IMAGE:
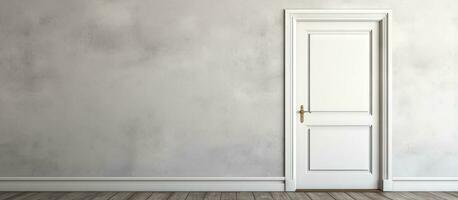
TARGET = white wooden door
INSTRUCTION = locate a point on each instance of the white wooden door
(337, 84)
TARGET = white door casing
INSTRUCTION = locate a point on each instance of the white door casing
(337, 67)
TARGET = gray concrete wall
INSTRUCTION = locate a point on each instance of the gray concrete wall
(195, 88)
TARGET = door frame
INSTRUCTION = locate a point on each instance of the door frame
(292, 16)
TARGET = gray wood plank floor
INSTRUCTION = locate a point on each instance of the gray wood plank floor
(228, 196)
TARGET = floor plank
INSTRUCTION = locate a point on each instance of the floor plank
(103, 195)
(396, 196)
(160, 196)
(262, 196)
(341, 196)
(228, 196)
(279, 196)
(77, 196)
(122, 196)
(421, 195)
(196, 196)
(45, 196)
(23, 195)
(7, 195)
(212, 196)
(245, 196)
(143, 196)
(319, 196)
(178, 196)
(453, 193)
(298, 196)
(375, 196)
(444, 195)
(358, 196)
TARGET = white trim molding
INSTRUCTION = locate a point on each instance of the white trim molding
(423, 184)
(142, 184)
(292, 16)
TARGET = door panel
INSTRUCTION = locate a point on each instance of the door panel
(339, 148)
(339, 71)
(337, 82)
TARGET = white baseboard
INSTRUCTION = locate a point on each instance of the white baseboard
(199, 184)
(421, 184)
(142, 184)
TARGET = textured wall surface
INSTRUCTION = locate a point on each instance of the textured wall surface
(195, 88)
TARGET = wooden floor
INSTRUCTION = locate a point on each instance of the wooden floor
(228, 195)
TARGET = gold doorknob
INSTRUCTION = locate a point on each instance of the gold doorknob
(301, 113)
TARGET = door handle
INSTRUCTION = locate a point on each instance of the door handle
(301, 113)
